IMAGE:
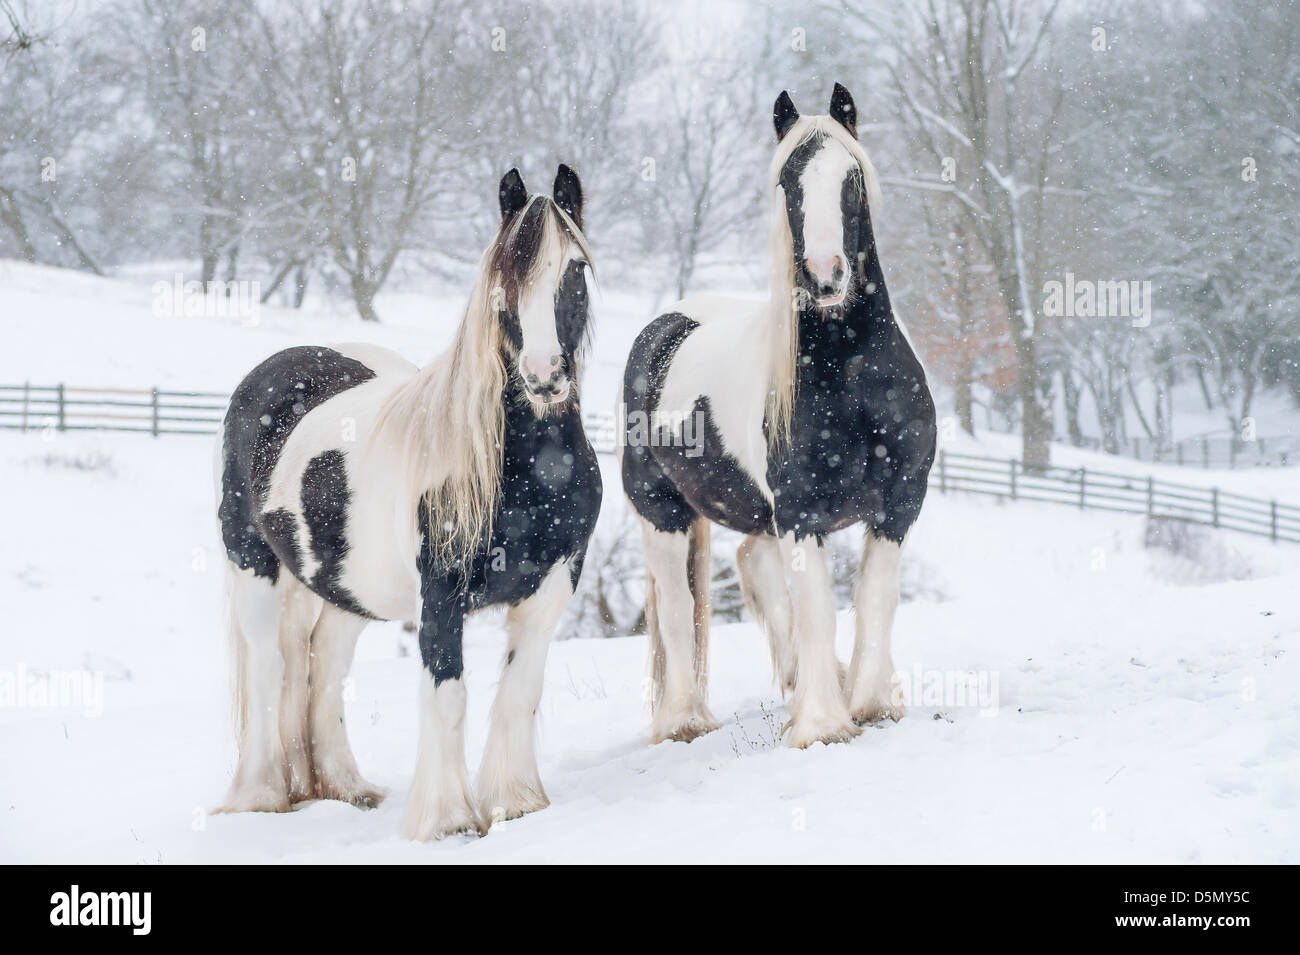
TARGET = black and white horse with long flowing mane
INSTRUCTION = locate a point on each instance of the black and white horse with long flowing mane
(815, 416)
(354, 486)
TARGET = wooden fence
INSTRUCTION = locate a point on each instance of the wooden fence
(149, 411)
(1089, 489)
(156, 411)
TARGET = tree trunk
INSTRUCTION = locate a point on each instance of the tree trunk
(1071, 393)
(964, 398)
(363, 294)
(1035, 421)
(13, 218)
(300, 285)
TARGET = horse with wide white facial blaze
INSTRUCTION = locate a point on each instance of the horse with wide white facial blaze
(354, 486)
(816, 417)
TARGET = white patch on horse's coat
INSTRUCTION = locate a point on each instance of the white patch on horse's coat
(537, 298)
(379, 569)
(872, 691)
(680, 710)
(822, 181)
(736, 388)
(508, 782)
(441, 803)
(817, 709)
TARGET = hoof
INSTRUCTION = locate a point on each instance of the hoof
(423, 827)
(358, 792)
(803, 735)
(258, 799)
(878, 710)
(686, 730)
(514, 802)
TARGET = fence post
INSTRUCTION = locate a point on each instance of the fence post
(155, 411)
(1205, 452)
(1083, 483)
(1214, 504)
(943, 475)
(27, 397)
(1151, 496)
(62, 418)
(1272, 524)
(1179, 446)
(1013, 479)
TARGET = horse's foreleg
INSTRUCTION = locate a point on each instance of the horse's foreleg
(332, 645)
(817, 709)
(441, 803)
(680, 709)
(873, 694)
(763, 586)
(508, 782)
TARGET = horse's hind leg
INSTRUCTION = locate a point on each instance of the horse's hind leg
(333, 642)
(872, 694)
(763, 586)
(261, 781)
(299, 608)
(680, 711)
(508, 782)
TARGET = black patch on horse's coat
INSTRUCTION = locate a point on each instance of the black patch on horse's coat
(264, 409)
(325, 499)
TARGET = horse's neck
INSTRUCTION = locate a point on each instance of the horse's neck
(834, 341)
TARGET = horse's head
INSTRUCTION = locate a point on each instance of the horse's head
(539, 261)
(824, 179)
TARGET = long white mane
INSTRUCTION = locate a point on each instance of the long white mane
(783, 319)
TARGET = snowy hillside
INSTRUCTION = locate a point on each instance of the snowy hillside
(1075, 696)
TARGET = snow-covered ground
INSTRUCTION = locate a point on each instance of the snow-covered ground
(1125, 704)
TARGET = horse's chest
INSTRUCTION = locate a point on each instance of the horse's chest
(832, 473)
(550, 499)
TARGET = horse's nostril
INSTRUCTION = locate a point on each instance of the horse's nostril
(837, 274)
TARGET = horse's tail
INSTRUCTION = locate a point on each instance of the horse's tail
(699, 575)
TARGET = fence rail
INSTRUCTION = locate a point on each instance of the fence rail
(1087, 489)
(150, 410)
(157, 411)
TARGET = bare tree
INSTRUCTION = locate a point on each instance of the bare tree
(976, 91)
(708, 157)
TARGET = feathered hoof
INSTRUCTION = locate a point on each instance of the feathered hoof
(424, 826)
(683, 731)
(512, 802)
(801, 735)
(256, 799)
(357, 792)
(877, 710)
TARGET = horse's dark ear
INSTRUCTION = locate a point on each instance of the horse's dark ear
(567, 193)
(842, 109)
(513, 193)
(784, 115)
